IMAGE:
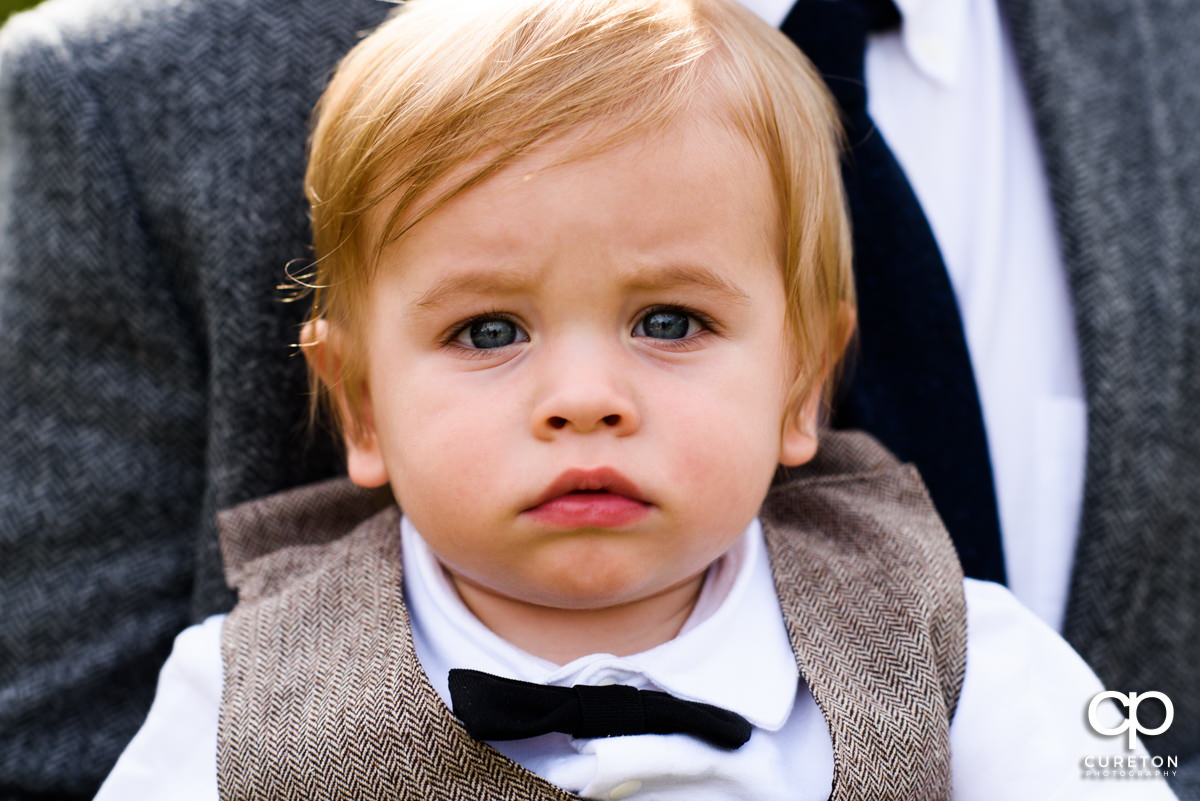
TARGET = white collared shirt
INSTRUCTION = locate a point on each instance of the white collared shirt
(733, 652)
(1019, 731)
(946, 94)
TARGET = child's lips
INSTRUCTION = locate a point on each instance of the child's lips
(592, 498)
(589, 510)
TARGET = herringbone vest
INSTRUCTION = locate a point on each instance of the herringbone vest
(324, 697)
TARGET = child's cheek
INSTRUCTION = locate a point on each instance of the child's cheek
(723, 451)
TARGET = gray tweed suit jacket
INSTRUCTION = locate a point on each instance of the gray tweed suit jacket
(151, 154)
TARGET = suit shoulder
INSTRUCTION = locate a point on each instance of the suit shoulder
(147, 40)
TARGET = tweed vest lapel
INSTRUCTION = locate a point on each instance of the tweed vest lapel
(1111, 85)
(857, 550)
(324, 697)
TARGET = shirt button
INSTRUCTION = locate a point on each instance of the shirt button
(624, 790)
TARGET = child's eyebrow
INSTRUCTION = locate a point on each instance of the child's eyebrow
(479, 282)
(644, 279)
(692, 275)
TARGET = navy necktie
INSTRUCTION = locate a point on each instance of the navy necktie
(910, 382)
(495, 708)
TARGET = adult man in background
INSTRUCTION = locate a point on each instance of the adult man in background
(151, 158)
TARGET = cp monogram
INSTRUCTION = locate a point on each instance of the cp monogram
(1131, 702)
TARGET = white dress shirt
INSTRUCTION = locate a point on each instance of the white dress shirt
(946, 95)
(1019, 731)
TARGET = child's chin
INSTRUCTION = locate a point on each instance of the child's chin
(590, 596)
(593, 582)
(597, 591)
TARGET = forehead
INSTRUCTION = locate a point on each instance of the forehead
(691, 191)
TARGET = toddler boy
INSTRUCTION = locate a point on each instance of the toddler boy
(582, 280)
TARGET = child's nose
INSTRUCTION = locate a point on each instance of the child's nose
(575, 411)
(584, 396)
(586, 422)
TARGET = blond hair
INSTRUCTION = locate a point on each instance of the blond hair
(448, 92)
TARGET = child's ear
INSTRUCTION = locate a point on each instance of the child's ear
(798, 442)
(323, 346)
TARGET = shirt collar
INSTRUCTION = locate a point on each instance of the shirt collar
(733, 652)
(933, 32)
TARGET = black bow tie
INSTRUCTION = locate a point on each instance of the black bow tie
(495, 708)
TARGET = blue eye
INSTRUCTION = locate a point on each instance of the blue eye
(664, 324)
(486, 333)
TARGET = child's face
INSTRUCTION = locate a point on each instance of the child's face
(577, 372)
